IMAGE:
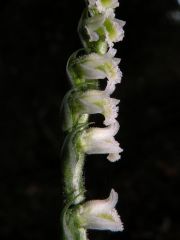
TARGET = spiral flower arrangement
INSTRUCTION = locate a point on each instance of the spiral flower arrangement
(86, 68)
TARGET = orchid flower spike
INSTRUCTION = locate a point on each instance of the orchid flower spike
(101, 141)
(99, 30)
(103, 5)
(101, 214)
(95, 66)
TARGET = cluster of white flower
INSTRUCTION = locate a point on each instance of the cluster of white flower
(86, 98)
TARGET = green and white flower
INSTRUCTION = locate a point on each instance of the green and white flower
(79, 104)
(105, 25)
(103, 5)
(94, 67)
(95, 101)
(101, 214)
(101, 141)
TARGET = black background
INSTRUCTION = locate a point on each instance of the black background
(37, 37)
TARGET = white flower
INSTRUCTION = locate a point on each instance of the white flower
(95, 101)
(103, 5)
(95, 66)
(101, 214)
(105, 25)
(78, 104)
(101, 141)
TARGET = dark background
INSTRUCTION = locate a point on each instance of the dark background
(37, 37)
